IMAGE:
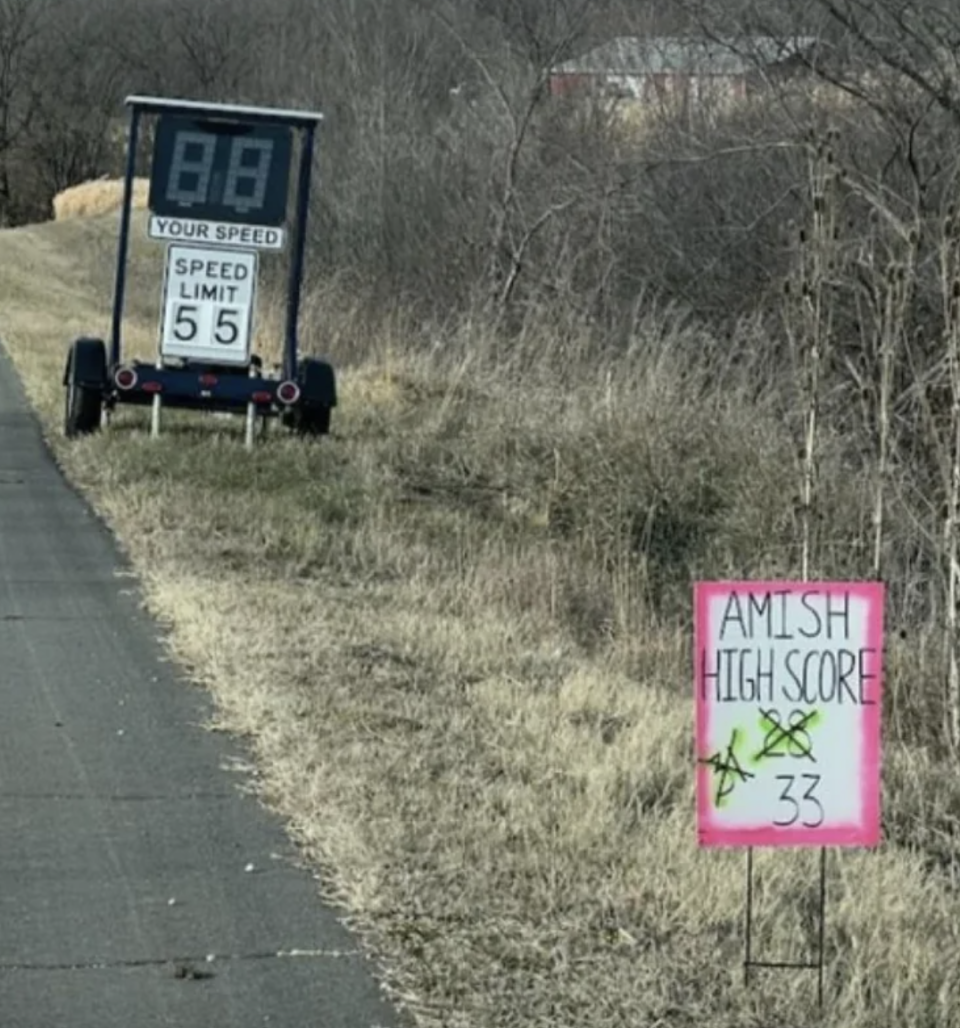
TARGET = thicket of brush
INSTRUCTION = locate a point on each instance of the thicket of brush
(467, 674)
(795, 236)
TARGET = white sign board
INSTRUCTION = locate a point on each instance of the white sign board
(215, 233)
(208, 301)
(788, 703)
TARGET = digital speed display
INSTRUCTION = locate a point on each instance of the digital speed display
(220, 171)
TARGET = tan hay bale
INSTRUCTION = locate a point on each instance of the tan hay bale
(99, 196)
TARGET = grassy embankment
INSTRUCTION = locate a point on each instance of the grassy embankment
(437, 631)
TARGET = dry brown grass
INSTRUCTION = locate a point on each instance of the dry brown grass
(438, 631)
(101, 196)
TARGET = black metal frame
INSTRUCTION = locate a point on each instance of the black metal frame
(818, 965)
(306, 124)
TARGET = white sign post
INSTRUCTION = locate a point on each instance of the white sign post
(208, 303)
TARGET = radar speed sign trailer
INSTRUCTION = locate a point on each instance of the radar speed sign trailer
(219, 186)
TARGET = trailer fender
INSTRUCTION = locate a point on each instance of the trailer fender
(86, 363)
(318, 384)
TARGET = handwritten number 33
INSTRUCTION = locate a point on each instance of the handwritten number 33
(794, 804)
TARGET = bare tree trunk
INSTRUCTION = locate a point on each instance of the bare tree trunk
(950, 281)
(811, 334)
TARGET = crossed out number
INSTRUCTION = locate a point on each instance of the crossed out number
(809, 799)
(781, 740)
(791, 739)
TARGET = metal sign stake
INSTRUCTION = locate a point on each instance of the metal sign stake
(818, 965)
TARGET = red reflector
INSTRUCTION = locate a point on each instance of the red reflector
(288, 392)
(152, 387)
(126, 378)
(261, 397)
(208, 380)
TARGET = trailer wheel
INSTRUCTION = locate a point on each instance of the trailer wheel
(84, 379)
(314, 421)
(318, 397)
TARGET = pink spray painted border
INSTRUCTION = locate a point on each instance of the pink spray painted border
(866, 833)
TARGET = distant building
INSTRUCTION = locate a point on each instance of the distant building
(679, 70)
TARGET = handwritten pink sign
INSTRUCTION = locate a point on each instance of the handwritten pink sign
(788, 687)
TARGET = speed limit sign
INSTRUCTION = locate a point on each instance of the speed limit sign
(208, 302)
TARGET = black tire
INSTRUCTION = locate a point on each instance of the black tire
(84, 379)
(314, 421)
(318, 397)
(82, 414)
(307, 421)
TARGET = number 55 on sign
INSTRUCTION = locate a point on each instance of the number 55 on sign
(208, 305)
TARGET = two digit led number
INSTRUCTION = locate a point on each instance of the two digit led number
(238, 171)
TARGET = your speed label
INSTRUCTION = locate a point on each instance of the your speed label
(208, 302)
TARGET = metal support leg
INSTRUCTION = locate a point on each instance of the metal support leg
(823, 925)
(748, 928)
(155, 409)
(155, 417)
(250, 426)
(819, 965)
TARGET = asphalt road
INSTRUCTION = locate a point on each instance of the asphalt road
(124, 841)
